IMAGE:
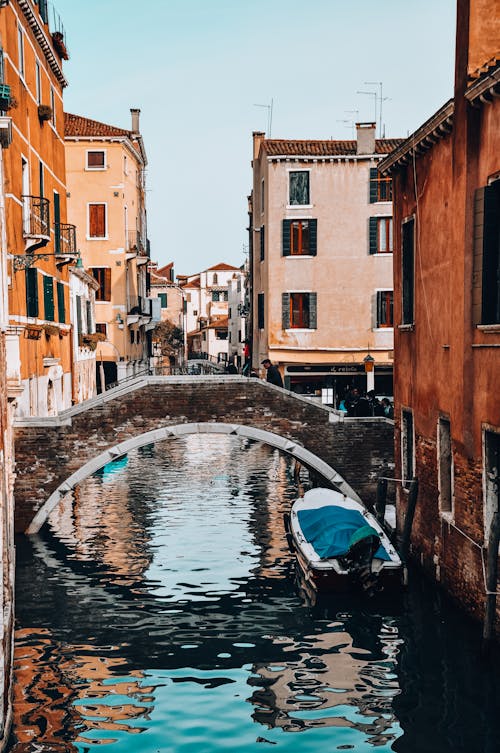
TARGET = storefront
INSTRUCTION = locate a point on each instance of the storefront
(311, 379)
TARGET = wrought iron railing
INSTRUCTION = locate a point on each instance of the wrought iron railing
(135, 242)
(65, 239)
(36, 216)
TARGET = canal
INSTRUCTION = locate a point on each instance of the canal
(158, 612)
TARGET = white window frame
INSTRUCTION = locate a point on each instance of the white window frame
(53, 119)
(95, 237)
(94, 169)
(38, 82)
(375, 327)
(20, 51)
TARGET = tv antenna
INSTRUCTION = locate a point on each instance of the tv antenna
(269, 109)
(378, 100)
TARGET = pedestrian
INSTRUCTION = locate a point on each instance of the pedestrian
(388, 408)
(273, 375)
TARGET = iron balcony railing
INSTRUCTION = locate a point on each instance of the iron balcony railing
(65, 239)
(135, 242)
(36, 217)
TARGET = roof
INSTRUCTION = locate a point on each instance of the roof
(222, 266)
(77, 125)
(323, 148)
(190, 283)
(484, 84)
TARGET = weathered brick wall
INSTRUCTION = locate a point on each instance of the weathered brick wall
(449, 547)
(47, 454)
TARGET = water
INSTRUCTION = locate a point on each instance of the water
(158, 613)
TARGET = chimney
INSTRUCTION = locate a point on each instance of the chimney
(135, 120)
(365, 138)
(258, 138)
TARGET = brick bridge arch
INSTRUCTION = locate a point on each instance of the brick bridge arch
(53, 454)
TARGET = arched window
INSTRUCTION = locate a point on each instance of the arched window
(215, 279)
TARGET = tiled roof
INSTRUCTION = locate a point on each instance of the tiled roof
(487, 68)
(190, 284)
(77, 125)
(222, 266)
(324, 148)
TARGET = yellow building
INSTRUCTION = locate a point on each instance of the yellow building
(38, 242)
(106, 185)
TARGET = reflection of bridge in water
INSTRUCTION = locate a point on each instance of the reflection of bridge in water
(54, 454)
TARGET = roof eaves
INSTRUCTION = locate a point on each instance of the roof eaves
(436, 127)
(485, 89)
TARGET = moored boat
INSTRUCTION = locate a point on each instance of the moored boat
(340, 546)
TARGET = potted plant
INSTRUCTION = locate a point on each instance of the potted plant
(44, 113)
(50, 329)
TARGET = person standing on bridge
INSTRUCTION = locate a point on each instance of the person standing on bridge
(273, 375)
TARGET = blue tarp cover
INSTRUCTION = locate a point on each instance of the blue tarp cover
(329, 529)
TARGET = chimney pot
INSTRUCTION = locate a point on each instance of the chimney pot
(135, 119)
(365, 138)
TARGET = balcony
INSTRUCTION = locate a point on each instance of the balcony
(65, 239)
(36, 222)
(138, 309)
(135, 242)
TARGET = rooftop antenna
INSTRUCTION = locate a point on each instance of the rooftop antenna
(380, 97)
(269, 109)
(375, 98)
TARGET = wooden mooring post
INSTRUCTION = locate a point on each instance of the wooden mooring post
(381, 500)
(491, 584)
(408, 524)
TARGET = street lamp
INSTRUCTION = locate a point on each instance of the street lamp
(369, 363)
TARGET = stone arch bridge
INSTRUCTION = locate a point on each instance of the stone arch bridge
(53, 454)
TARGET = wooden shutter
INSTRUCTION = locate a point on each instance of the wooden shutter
(313, 310)
(286, 237)
(491, 255)
(408, 261)
(262, 243)
(313, 237)
(106, 284)
(61, 311)
(477, 261)
(285, 310)
(78, 314)
(373, 235)
(97, 220)
(88, 311)
(373, 185)
(31, 291)
(260, 311)
(48, 298)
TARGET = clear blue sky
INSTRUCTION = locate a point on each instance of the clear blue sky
(196, 69)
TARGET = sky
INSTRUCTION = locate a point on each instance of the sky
(199, 69)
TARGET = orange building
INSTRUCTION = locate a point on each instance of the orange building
(38, 241)
(447, 316)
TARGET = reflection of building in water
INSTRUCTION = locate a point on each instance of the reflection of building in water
(60, 695)
(329, 682)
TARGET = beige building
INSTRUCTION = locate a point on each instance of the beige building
(168, 298)
(321, 262)
(106, 189)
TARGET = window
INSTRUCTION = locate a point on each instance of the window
(88, 313)
(380, 187)
(407, 445)
(103, 277)
(96, 160)
(97, 220)
(215, 279)
(385, 308)
(262, 243)
(299, 237)
(486, 277)
(163, 300)
(20, 51)
(407, 260)
(299, 187)
(195, 312)
(215, 295)
(102, 328)
(221, 334)
(381, 235)
(445, 466)
(299, 310)
(53, 106)
(262, 196)
(61, 309)
(260, 310)
(79, 328)
(31, 278)
(38, 83)
(491, 477)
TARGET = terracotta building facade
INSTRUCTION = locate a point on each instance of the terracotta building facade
(447, 313)
(321, 262)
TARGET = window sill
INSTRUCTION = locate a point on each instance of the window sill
(300, 329)
(488, 329)
(94, 238)
(95, 169)
(406, 327)
(299, 256)
(383, 253)
(382, 201)
(299, 206)
(383, 329)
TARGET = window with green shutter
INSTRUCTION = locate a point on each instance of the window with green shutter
(163, 300)
(48, 298)
(385, 308)
(31, 277)
(61, 309)
(299, 310)
(380, 235)
(262, 243)
(260, 310)
(299, 237)
(79, 328)
(408, 274)
(380, 187)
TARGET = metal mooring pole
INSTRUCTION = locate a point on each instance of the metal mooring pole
(410, 514)
(381, 500)
(491, 584)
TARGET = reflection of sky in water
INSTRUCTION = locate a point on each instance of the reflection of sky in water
(170, 622)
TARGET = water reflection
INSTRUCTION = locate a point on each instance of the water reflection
(158, 612)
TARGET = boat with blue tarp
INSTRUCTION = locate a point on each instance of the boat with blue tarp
(340, 545)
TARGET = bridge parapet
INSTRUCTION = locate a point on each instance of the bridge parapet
(53, 454)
